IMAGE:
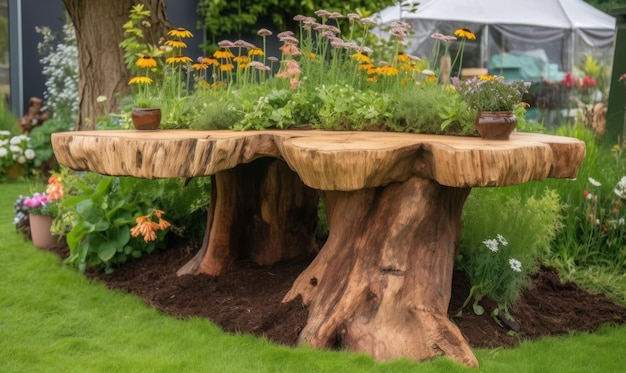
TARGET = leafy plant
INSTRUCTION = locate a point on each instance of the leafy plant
(500, 251)
(491, 93)
(104, 215)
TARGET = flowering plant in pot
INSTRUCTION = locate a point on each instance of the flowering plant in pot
(34, 214)
(159, 70)
(495, 101)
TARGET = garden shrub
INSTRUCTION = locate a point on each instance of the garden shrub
(502, 239)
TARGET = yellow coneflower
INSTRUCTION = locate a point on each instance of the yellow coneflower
(255, 52)
(361, 57)
(366, 66)
(465, 33)
(199, 66)
(178, 59)
(388, 71)
(223, 53)
(372, 79)
(146, 62)
(227, 67)
(219, 84)
(210, 61)
(176, 44)
(140, 80)
(180, 32)
(241, 59)
(402, 57)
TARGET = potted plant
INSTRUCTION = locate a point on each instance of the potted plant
(495, 101)
(34, 214)
(160, 70)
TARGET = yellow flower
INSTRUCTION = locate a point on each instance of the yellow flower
(146, 62)
(210, 61)
(178, 59)
(176, 44)
(388, 71)
(227, 67)
(402, 57)
(241, 59)
(223, 53)
(180, 33)
(199, 66)
(255, 52)
(372, 79)
(140, 80)
(487, 77)
(465, 33)
(361, 57)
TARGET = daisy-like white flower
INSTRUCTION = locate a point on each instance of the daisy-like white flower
(492, 244)
(502, 240)
(515, 264)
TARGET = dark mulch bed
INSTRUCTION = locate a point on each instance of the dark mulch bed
(247, 299)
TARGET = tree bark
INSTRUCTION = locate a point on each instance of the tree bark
(386, 294)
(259, 211)
(102, 70)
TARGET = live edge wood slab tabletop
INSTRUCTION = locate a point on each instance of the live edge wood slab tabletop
(381, 283)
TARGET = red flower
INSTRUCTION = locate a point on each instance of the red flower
(568, 81)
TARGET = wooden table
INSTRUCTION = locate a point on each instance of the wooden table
(381, 283)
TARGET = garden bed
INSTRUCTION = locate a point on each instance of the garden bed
(247, 300)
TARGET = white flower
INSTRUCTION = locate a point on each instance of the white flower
(29, 154)
(620, 221)
(502, 240)
(492, 244)
(515, 264)
(21, 159)
(3, 152)
(5, 133)
(622, 183)
(590, 196)
(594, 182)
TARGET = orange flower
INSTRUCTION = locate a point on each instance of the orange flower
(55, 188)
(147, 227)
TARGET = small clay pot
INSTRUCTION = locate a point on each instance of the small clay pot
(146, 119)
(495, 125)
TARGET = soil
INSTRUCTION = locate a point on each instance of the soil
(248, 298)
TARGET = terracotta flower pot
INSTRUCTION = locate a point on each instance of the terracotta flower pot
(40, 231)
(146, 118)
(495, 125)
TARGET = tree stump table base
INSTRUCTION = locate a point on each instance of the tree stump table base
(387, 295)
(381, 284)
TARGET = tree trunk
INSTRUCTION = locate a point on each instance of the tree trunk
(102, 70)
(387, 294)
(259, 211)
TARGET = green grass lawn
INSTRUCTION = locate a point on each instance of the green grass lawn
(53, 319)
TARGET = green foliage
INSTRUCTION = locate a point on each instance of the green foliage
(8, 121)
(493, 244)
(221, 17)
(105, 210)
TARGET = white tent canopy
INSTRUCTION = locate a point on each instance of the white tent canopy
(548, 35)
